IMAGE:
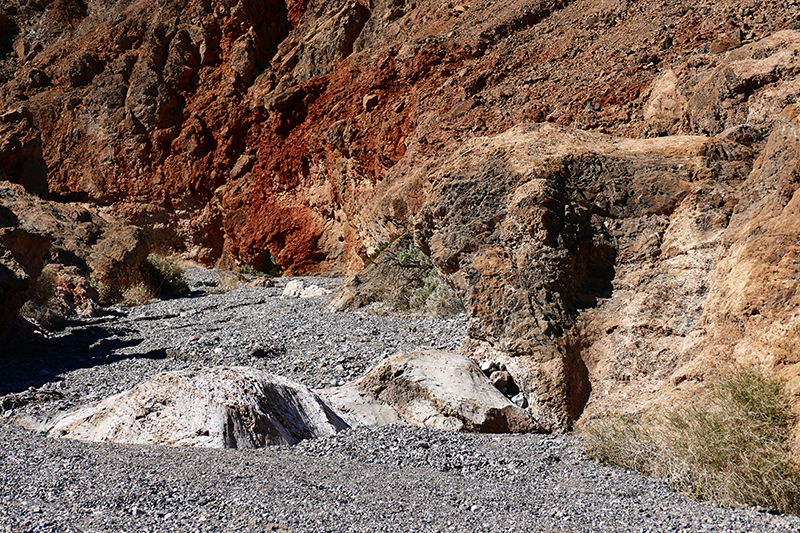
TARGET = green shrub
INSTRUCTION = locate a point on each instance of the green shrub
(248, 270)
(731, 448)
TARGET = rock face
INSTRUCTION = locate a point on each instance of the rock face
(432, 389)
(303, 133)
(219, 407)
(79, 235)
(22, 256)
(740, 98)
(538, 224)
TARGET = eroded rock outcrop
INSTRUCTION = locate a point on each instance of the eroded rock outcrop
(22, 255)
(538, 224)
(82, 235)
(432, 389)
(738, 96)
(219, 407)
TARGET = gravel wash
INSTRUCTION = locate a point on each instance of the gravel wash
(391, 478)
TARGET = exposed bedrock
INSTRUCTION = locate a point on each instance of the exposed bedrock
(303, 134)
(541, 225)
(237, 407)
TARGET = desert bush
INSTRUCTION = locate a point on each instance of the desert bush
(43, 306)
(732, 447)
(159, 276)
(422, 289)
(229, 280)
(138, 294)
(248, 270)
(164, 276)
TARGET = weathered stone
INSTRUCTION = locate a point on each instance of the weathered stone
(500, 378)
(297, 289)
(433, 389)
(22, 256)
(749, 87)
(218, 407)
(261, 282)
(81, 236)
(21, 157)
(535, 225)
(74, 289)
(719, 292)
(120, 247)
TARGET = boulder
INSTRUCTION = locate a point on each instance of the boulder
(297, 289)
(219, 407)
(434, 389)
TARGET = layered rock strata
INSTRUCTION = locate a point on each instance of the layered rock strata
(303, 133)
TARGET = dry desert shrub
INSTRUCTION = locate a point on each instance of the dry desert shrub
(165, 277)
(159, 276)
(733, 448)
(43, 306)
(229, 280)
(138, 294)
(422, 289)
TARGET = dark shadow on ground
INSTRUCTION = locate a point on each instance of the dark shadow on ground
(29, 359)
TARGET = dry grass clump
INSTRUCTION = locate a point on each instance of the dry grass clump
(138, 294)
(732, 449)
(159, 276)
(165, 277)
(229, 280)
(43, 306)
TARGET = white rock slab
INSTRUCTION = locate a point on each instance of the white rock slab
(297, 289)
(219, 407)
(436, 389)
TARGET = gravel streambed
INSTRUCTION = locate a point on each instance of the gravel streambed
(391, 478)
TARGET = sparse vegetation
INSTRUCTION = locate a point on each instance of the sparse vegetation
(165, 277)
(229, 280)
(138, 294)
(731, 448)
(382, 248)
(248, 270)
(159, 276)
(42, 307)
(423, 289)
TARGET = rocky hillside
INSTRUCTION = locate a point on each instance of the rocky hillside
(305, 132)
(609, 185)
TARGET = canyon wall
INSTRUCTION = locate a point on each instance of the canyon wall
(609, 185)
(304, 134)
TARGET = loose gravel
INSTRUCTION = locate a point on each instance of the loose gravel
(391, 478)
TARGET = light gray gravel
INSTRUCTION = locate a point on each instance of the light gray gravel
(391, 478)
